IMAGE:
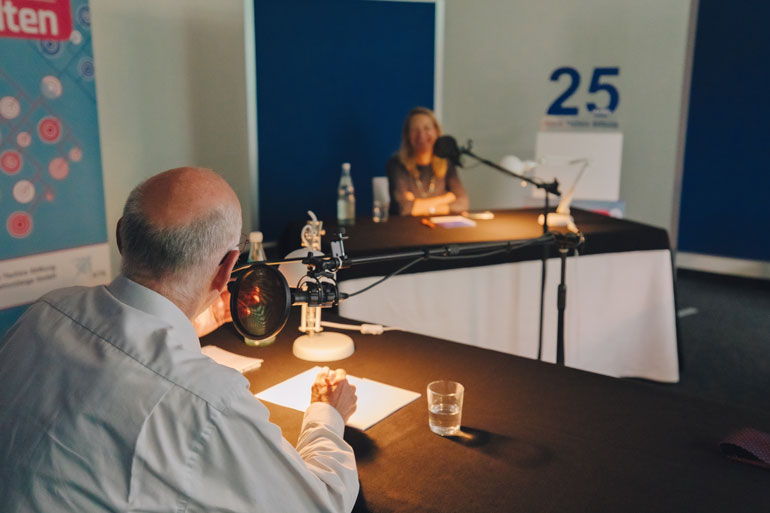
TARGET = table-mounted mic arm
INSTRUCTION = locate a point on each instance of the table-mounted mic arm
(446, 148)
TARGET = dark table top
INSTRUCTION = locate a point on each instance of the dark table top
(603, 234)
(536, 437)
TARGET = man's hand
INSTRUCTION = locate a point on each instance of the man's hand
(332, 387)
(214, 316)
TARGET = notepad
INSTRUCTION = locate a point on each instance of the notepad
(376, 400)
(234, 361)
(452, 221)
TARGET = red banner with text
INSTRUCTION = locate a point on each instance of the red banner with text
(36, 19)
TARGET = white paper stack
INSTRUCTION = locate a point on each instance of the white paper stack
(234, 361)
(375, 400)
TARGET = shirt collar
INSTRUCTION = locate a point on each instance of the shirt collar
(155, 304)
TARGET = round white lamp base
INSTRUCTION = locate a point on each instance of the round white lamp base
(326, 346)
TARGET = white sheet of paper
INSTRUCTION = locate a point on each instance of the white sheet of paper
(375, 400)
(234, 361)
(453, 221)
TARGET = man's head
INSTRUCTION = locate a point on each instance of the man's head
(176, 226)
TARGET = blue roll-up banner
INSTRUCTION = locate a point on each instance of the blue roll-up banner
(52, 218)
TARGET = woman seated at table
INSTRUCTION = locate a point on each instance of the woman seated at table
(420, 182)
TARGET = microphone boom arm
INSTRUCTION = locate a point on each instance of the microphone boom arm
(549, 187)
(261, 298)
(326, 263)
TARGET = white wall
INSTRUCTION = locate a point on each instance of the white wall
(170, 84)
(498, 58)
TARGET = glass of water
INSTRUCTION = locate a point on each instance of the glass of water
(380, 212)
(381, 196)
(445, 407)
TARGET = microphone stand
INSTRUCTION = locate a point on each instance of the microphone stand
(549, 188)
(564, 243)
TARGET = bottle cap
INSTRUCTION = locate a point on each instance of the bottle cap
(346, 166)
(255, 237)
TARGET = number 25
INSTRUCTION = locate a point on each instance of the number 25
(558, 108)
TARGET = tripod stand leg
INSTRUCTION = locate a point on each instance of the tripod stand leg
(544, 263)
(561, 304)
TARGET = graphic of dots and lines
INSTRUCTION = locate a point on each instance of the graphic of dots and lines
(51, 192)
(21, 147)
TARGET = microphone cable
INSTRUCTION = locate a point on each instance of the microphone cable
(511, 247)
(548, 237)
(397, 271)
(366, 329)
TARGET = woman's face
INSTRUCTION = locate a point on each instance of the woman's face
(422, 134)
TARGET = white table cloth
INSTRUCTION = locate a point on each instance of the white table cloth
(620, 318)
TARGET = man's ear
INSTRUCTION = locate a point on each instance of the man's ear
(117, 236)
(223, 272)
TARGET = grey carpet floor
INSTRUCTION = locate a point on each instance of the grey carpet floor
(724, 338)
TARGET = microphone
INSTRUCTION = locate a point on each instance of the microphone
(446, 147)
(260, 299)
(318, 294)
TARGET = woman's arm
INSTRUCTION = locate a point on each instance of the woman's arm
(433, 205)
(455, 186)
(401, 198)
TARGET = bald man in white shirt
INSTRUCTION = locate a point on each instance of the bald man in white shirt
(107, 404)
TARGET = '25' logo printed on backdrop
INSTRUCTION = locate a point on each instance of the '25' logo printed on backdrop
(558, 107)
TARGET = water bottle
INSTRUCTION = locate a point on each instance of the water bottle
(346, 199)
(256, 249)
(257, 254)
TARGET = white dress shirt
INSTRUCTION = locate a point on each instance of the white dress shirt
(107, 404)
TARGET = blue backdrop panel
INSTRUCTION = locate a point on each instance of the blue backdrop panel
(334, 82)
(726, 178)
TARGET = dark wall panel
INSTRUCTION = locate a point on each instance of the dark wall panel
(726, 181)
(334, 82)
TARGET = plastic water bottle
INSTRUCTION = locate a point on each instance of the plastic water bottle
(346, 198)
(256, 249)
(257, 254)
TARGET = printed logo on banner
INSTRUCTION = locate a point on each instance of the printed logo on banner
(565, 113)
(36, 19)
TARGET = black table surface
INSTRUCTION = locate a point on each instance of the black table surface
(603, 234)
(536, 437)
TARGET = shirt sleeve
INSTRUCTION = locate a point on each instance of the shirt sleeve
(237, 460)
(454, 185)
(399, 182)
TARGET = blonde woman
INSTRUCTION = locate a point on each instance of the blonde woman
(420, 182)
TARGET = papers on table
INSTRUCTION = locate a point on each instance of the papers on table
(375, 400)
(485, 215)
(234, 361)
(452, 221)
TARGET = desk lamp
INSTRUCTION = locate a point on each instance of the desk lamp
(562, 215)
(315, 345)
